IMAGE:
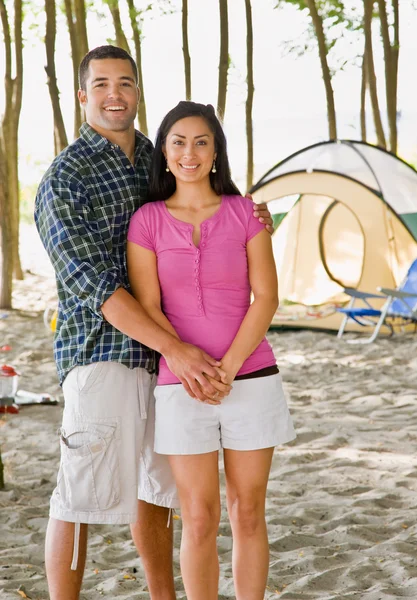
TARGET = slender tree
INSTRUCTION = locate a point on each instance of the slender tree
(81, 27)
(185, 50)
(224, 58)
(121, 39)
(364, 85)
(6, 257)
(391, 54)
(75, 17)
(327, 79)
(370, 71)
(9, 131)
(60, 136)
(136, 23)
(249, 98)
(1, 473)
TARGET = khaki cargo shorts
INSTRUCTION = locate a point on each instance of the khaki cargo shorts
(107, 439)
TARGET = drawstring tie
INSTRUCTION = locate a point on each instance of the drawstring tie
(74, 563)
(141, 394)
(171, 513)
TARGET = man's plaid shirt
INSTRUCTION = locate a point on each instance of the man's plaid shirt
(82, 212)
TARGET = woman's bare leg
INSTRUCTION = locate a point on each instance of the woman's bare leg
(247, 475)
(197, 479)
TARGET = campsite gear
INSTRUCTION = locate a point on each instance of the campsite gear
(49, 318)
(23, 397)
(9, 379)
(345, 214)
(8, 408)
(400, 307)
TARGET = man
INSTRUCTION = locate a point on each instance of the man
(82, 211)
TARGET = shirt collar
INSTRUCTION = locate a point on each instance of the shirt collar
(98, 142)
(94, 140)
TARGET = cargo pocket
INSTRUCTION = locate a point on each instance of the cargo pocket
(88, 480)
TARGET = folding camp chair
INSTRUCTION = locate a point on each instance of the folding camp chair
(400, 305)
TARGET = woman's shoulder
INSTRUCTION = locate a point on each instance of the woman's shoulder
(148, 210)
(239, 204)
(153, 206)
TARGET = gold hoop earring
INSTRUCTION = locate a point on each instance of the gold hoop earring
(213, 168)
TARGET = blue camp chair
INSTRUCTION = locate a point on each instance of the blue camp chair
(400, 305)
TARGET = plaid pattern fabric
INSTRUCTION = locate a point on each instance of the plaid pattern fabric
(82, 212)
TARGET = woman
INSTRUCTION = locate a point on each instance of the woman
(195, 252)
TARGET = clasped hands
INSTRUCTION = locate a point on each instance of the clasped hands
(203, 377)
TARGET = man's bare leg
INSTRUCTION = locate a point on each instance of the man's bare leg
(154, 542)
(63, 583)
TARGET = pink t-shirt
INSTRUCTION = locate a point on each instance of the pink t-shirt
(205, 290)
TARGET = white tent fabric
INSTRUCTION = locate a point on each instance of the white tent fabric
(344, 202)
(370, 165)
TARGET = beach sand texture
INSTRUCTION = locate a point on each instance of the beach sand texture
(341, 497)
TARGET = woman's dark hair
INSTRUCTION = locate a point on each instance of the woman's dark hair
(162, 183)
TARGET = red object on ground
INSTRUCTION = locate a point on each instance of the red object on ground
(5, 348)
(13, 408)
(8, 371)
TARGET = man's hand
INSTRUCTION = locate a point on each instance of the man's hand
(191, 365)
(223, 388)
(261, 212)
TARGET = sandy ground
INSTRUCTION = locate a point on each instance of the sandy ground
(341, 499)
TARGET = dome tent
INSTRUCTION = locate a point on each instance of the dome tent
(346, 216)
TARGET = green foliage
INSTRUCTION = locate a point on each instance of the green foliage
(342, 22)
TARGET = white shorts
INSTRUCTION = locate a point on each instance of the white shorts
(255, 415)
(107, 457)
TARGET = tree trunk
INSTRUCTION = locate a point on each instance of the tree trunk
(373, 91)
(391, 52)
(60, 136)
(249, 98)
(224, 59)
(364, 85)
(81, 27)
(10, 127)
(6, 258)
(134, 16)
(5, 200)
(1, 473)
(185, 50)
(121, 39)
(321, 41)
(75, 56)
(395, 53)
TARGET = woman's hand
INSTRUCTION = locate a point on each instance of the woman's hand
(229, 369)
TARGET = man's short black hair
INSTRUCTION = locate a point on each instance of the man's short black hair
(101, 53)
